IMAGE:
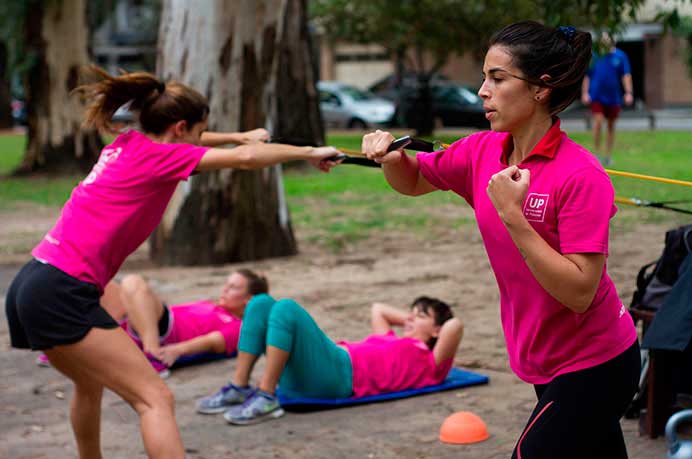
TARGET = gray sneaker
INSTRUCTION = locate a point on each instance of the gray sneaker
(259, 407)
(226, 397)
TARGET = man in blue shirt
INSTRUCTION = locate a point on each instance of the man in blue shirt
(602, 89)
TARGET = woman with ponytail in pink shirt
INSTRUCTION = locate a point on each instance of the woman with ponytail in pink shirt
(543, 205)
(53, 303)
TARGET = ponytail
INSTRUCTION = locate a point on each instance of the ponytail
(157, 104)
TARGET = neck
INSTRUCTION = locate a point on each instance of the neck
(165, 137)
(527, 136)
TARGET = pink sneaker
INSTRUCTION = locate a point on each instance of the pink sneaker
(42, 360)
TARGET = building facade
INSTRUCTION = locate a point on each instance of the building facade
(661, 76)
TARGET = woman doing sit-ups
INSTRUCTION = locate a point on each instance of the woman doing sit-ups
(304, 362)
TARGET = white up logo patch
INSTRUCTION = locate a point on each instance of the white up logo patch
(534, 207)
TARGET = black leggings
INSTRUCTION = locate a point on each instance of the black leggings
(578, 414)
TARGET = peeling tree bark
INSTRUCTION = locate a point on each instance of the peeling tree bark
(56, 34)
(252, 60)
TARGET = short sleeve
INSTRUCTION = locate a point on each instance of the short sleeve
(450, 169)
(174, 161)
(585, 209)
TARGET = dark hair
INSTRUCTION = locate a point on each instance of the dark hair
(158, 104)
(441, 312)
(563, 53)
(256, 283)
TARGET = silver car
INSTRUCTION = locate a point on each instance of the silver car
(345, 106)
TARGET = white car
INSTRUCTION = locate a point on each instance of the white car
(345, 106)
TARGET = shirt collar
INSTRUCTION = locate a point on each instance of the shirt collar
(546, 147)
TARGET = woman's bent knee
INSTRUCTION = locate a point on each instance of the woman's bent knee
(158, 398)
(286, 308)
(133, 283)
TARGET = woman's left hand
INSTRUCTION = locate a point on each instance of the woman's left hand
(507, 190)
(324, 158)
(168, 354)
(255, 136)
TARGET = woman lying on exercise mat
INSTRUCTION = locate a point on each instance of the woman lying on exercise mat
(304, 362)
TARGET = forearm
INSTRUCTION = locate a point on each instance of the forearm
(585, 86)
(213, 342)
(384, 317)
(627, 83)
(448, 340)
(215, 139)
(563, 279)
(253, 156)
(404, 175)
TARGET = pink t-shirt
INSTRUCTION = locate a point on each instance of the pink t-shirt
(191, 320)
(117, 206)
(569, 203)
(387, 363)
(201, 318)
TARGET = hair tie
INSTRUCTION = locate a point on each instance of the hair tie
(567, 32)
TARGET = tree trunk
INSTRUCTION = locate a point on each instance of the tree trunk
(56, 34)
(252, 60)
(424, 123)
(5, 96)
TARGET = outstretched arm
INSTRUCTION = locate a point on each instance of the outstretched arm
(213, 342)
(383, 317)
(215, 139)
(448, 340)
(259, 155)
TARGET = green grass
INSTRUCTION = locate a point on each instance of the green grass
(43, 190)
(351, 203)
(11, 148)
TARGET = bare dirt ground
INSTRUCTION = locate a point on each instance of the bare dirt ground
(337, 289)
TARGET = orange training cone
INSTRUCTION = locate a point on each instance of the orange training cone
(463, 427)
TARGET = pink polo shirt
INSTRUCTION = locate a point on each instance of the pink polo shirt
(387, 363)
(569, 203)
(117, 206)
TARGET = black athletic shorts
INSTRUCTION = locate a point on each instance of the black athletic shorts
(46, 307)
(578, 414)
(164, 323)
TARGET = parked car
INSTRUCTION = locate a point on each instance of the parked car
(345, 106)
(453, 104)
(458, 105)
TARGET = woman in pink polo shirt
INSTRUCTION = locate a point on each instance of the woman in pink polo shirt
(53, 303)
(543, 205)
(305, 362)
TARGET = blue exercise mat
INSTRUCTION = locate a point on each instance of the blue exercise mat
(194, 359)
(456, 379)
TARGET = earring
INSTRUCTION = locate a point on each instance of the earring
(538, 97)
